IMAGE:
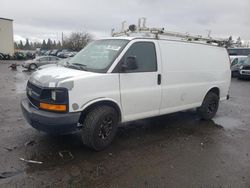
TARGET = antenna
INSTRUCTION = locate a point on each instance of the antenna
(156, 32)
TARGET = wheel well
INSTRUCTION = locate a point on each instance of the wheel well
(215, 90)
(100, 103)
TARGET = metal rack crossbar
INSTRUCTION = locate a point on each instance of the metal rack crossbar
(157, 32)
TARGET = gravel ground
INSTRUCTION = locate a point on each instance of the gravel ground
(175, 150)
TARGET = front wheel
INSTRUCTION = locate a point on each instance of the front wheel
(99, 127)
(32, 66)
(209, 106)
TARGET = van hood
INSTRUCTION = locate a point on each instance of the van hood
(47, 66)
(53, 75)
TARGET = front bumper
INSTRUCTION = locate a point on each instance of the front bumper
(50, 122)
(244, 74)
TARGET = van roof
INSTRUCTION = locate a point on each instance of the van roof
(164, 39)
(122, 38)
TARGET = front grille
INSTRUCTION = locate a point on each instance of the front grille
(246, 67)
(33, 101)
(33, 93)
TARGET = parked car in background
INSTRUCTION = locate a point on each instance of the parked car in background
(47, 53)
(39, 61)
(61, 62)
(5, 56)
(1, 56)
(53, 52)
(66, 54)
(30, 55)
(244, 71)
(61, 53)
(236, 62)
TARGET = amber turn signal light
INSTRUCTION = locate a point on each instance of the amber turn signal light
(53, 107)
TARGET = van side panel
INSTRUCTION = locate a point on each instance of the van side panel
(189, 71)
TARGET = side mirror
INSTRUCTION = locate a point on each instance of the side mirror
(129, 64)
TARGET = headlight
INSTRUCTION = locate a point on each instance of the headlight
(241, 67)
(55, 99)
(53, 95)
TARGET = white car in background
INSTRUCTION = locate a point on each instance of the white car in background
(61, 62)
(39, 61)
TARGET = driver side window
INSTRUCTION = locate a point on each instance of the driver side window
(145, 55)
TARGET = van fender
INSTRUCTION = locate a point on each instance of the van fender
(103, 100)
(211, 88)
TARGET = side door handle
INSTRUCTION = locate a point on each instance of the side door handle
(159, 79)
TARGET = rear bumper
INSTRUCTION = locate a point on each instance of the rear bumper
(50, 122)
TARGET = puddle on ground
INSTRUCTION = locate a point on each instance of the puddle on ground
(228, 122)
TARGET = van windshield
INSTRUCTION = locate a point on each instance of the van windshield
(98, 55)
(247, 61)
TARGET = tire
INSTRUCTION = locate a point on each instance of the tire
(209, 106)
(99, 127)
(32, 66)
(234, 74)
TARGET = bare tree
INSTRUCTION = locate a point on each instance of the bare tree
(238, 42)
(230, 42)
(77, 40)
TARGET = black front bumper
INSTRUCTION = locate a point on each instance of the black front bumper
(244, 76)
(50, 122)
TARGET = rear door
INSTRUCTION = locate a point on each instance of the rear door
(140, 89)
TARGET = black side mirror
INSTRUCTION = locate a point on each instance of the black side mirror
(129, 64)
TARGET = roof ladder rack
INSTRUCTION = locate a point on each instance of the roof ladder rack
(156, 32)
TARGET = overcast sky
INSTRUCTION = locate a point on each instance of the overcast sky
(42, 19)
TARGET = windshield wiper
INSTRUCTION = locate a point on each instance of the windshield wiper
(76, 66)
(82, 66)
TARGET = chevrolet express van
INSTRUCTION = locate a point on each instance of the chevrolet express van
(121, 79)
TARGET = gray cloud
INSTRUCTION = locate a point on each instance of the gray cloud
(43, 19)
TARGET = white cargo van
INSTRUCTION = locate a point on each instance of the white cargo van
(121, 79)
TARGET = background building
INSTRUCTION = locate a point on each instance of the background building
(6, 36)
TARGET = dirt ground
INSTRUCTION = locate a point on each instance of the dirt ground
(176, 150)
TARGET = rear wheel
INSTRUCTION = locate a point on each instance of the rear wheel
(209, 106)
(99, 127)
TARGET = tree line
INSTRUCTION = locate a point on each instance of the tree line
(75, 42)
(78, 40)
(237, 43)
